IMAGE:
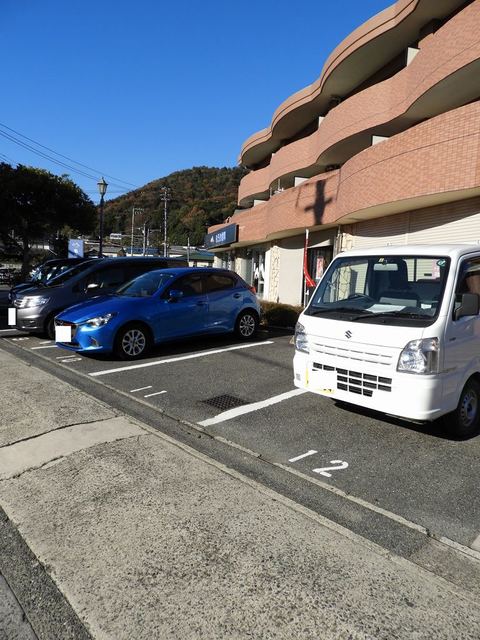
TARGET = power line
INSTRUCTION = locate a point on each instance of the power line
(43, 155)
(26, 146)
(7, 158)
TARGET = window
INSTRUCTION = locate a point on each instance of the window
(372, 286)
(145, 285)
(217, 282)
(469, 277)
(108, 278)
(190, 285)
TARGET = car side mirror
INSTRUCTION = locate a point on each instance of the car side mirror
(467, 304)
(175, 294)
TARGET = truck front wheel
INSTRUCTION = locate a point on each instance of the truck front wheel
(464, 422)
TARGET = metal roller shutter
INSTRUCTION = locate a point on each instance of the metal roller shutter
(380, 232)
(438, 225)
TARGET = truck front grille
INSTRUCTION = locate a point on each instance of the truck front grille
(357, 382)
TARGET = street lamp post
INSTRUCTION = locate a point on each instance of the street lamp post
(102, 189)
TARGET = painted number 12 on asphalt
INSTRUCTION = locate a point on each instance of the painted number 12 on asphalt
(323, 471)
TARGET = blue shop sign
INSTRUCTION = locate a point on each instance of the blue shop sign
(225, 235)
(75, 248)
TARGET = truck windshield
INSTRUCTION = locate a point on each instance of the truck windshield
(408, 288)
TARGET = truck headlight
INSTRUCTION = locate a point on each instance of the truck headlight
(99, 321)
(420, 356)
(301, 338)
(33, 301)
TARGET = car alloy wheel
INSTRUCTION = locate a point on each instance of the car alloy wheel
(133, 343)
(247, 325)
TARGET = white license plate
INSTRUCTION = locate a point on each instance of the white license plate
(325, 381)
(12, 316)
(63, 333)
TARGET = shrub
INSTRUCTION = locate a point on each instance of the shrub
(275, 314)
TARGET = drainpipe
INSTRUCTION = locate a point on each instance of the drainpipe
(338, 240)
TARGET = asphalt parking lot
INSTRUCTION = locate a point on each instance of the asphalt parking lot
(386, 479)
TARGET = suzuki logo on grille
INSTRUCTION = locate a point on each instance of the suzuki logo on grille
(348, 334)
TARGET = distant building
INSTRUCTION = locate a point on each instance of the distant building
(197, 256)
(382, 149)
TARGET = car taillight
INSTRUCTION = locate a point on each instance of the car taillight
(252, 289)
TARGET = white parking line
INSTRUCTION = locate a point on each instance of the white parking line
(476, 544)
(47, 346)
(47, 342)
(248, 408)
(149, 395)
(141, 389)
(304, 455)
(4, 330)
(199, 354)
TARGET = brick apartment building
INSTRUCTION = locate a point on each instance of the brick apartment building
(382, 149)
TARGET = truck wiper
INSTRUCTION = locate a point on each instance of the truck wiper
(390, 314)
(341, 309)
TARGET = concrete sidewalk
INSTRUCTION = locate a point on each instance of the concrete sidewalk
(146, 538)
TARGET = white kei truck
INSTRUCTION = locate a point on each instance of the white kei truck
(397, 330)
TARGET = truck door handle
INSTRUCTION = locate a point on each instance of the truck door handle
(237, 295)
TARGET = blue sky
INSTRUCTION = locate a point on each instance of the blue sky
(139, 89)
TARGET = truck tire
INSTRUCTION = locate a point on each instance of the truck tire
(464, 422)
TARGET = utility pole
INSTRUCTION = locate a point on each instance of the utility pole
(134, 211)
(165, 198)
(146, 231)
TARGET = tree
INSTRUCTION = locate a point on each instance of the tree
(200, 196)
(36, 204)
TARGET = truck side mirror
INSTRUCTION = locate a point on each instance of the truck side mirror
(467, 304)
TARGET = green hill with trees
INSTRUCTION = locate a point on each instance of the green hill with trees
(199, 197)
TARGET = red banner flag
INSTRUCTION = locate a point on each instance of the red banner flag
(309, 281)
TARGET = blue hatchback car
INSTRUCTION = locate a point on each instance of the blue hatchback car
(162, 305)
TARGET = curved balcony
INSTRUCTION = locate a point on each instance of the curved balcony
(441, 77)
(357, 58)
(433, 163)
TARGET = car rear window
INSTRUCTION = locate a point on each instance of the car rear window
(219, 282)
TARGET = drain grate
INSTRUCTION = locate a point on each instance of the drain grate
(225, 402)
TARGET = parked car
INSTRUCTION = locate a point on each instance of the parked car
(45, 272)
(37, 306)
(160, 306)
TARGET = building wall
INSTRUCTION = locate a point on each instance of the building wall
(451, 56)
(420, 183)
